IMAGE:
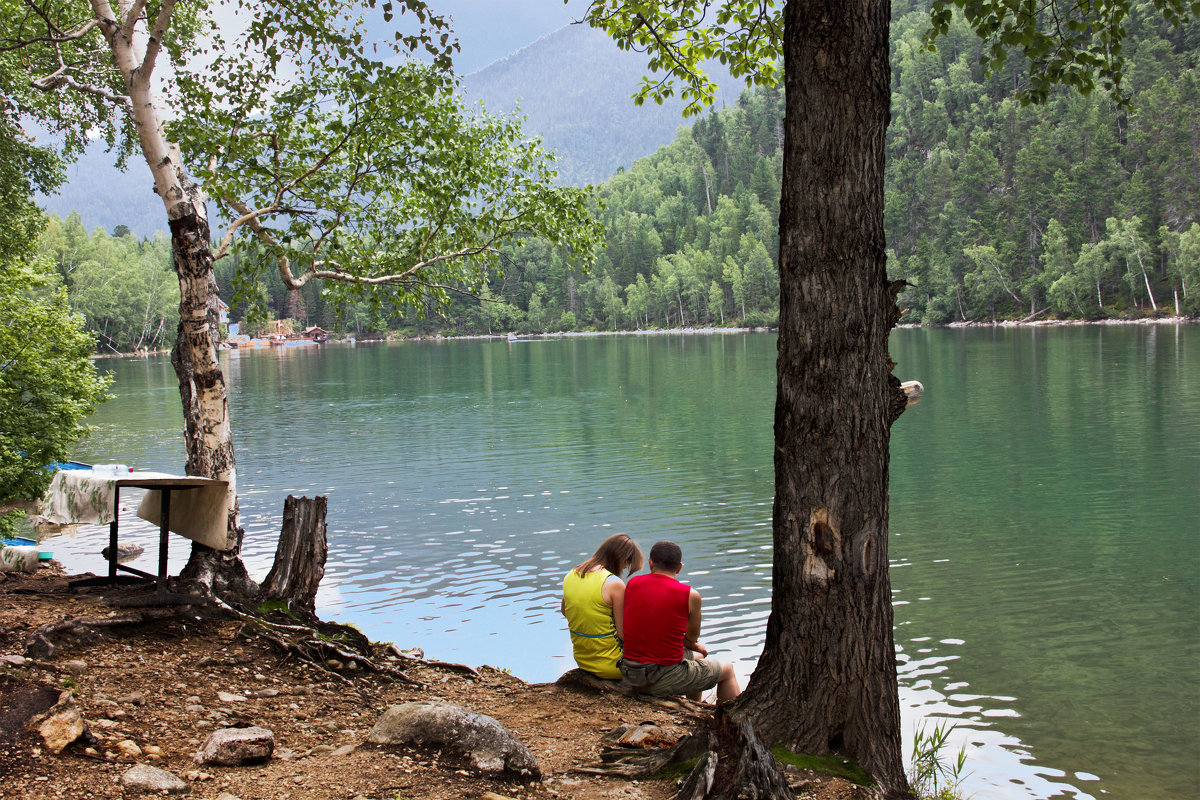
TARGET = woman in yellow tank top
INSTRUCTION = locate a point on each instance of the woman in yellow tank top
(594, 601)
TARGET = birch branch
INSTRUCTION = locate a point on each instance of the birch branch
(154, 46)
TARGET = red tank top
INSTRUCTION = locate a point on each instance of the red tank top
(656, 616)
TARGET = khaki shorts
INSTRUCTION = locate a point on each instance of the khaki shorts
(665, 680)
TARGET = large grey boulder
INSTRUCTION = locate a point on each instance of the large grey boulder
(232, 747)
(489, 745)
(152, 779)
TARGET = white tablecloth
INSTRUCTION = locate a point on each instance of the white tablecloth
(199, 506)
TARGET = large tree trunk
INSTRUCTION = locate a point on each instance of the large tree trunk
(826, 681)
(207, 430)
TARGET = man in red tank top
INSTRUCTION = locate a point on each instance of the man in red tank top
(662, 632)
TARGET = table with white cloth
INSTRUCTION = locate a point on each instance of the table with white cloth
(193, 507)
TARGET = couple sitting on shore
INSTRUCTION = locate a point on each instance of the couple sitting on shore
(646, 634)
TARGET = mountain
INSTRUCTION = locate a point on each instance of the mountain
(573, 87)
(106, 197)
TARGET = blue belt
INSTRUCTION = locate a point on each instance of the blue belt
(594, 636)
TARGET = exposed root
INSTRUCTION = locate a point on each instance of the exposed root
(47, 640)
(736, 766)
(447, 665)
(319, 644)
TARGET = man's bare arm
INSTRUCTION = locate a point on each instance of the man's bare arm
(691, 639)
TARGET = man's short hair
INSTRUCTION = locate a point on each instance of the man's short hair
(666, 555)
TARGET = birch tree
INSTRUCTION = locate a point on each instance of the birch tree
(334, 157)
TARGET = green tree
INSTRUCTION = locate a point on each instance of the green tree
(1127, 244)
(48, 385)
(1183, 266)
(827, 676)
(366, 172)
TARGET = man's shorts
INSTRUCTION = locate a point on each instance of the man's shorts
(666, 680)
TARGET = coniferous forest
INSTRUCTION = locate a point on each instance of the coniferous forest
(1082, 207)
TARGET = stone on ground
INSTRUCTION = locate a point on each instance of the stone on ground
(152, 779)
(62, 725)
(489, 745)
(232, 747)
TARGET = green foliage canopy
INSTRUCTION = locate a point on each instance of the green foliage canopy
(334, 155)
(48, 385)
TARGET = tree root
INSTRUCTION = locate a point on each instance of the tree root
(396, 652)
(736, 766)
(318, 644)
(45, 642)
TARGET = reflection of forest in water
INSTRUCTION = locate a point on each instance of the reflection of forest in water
(1043, 510)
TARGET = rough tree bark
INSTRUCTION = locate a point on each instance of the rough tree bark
(826, 681)
(202, 391)
(300, 555)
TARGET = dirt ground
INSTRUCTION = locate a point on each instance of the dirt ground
(149, 695)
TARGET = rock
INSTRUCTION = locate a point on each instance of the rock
(344, 750)
(232, 747)
(75, 667)
(265, 693)
(647, 736)
(321, 750)
(489, 745)
(127, 748)
(133, 699)
(125, 552)
(15, 660)
(227, 697)
(152, 750)
(153, 779)
(227, 796)
(197, 775)
(62, 724)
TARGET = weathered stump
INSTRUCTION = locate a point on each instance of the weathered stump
(736, 767)
(300, 556)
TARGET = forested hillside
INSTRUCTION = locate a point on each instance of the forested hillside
(1079, 208)
(124, 287)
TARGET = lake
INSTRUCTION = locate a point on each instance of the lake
(1045, 517)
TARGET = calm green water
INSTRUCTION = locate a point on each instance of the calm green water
(1045, 514)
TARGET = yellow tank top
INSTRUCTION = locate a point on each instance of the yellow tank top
(593, 633)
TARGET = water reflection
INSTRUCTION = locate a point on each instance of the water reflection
(464, 479)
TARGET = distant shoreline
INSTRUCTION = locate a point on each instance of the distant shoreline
(708, 331)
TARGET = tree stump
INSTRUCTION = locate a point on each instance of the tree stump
(300, 556)
(736, 767)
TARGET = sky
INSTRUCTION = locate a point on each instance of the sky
(489, 30)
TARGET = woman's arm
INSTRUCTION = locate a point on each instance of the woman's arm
(613, 594)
